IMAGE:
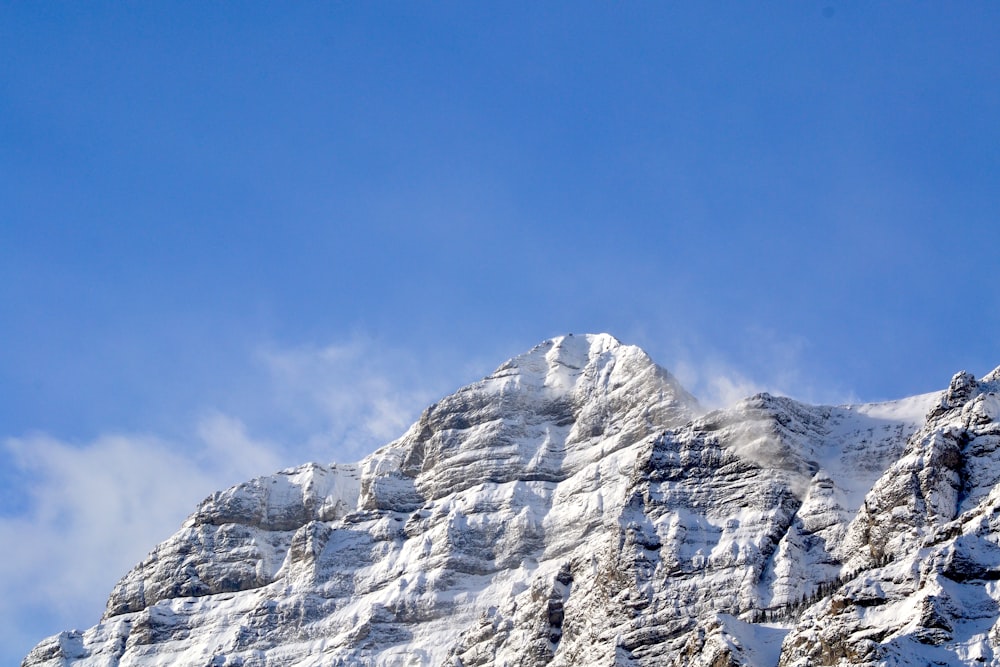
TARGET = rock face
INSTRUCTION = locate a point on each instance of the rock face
(922, 583)
(577, 507)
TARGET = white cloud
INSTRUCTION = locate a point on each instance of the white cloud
(349, 398)
(230, 453)
(768, 363)
(715, 384)
(93, 510)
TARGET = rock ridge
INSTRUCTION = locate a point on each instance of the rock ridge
(578, 507)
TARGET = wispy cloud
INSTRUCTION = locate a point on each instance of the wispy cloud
(768, 362)
(715, 384)
(230, 452)
(92, 510)
(348, 397)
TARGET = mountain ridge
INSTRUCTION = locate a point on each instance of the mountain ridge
(579, 506)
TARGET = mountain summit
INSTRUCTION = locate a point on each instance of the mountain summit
(578, 507)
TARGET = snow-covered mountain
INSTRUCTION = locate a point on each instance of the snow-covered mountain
(578, 507)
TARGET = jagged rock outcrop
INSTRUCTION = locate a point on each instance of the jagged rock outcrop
(926, 550)
(577, 507)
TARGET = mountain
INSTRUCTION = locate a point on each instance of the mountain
(578, 507)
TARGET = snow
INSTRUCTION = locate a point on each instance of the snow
(758, 643)
(912, 410)
(570, 509)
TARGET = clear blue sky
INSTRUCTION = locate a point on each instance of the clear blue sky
(286, 226)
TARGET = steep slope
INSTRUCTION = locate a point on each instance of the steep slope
(926, 548)
(484, 497)
(729, 518)
(576, 507)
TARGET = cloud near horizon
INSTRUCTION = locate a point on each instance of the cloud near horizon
(93, 511)
(85, 513)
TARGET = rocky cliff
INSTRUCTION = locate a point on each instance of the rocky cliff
(577, 507)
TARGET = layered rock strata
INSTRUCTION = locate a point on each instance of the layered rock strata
(577, 507)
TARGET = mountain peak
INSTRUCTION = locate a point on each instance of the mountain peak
(570, 364)
(573, 508)
(571, 351)
(594, 344)
(993, 377)
(542, 415)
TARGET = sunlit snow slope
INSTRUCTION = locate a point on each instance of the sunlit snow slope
(576, 507)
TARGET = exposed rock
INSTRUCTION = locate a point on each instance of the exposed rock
(576, 507)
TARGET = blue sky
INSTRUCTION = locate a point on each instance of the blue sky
(280, 230)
